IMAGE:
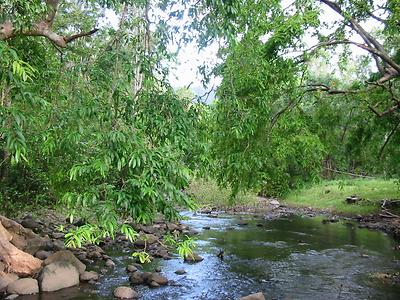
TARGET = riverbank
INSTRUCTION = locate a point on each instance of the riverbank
(327, 198)
(110, 267)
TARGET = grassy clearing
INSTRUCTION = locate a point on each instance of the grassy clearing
(207, 193)
(332, 194)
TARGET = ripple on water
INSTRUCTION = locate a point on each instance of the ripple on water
(291, 258)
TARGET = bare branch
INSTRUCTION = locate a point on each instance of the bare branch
(369, 40)
(388, 139)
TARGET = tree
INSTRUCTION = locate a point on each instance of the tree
(267, 84)
(93, 124)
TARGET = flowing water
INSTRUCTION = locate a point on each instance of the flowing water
(287, 258)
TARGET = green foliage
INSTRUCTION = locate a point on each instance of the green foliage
(90, 234)
(142, 256)
(97, 124)
(255, 145)
(184, 246)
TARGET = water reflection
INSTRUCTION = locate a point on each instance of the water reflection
(291, 258)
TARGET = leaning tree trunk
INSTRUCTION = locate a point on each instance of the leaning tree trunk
(15, 260)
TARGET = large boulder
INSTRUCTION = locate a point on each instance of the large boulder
(66, 256)
(57, 276)
(256, 296)
(23, 286)
(124, 292)
(6, 279)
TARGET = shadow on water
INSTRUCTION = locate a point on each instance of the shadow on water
(288, 258)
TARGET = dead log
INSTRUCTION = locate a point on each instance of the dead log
(15, 260)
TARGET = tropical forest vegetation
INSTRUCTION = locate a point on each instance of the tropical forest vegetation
(306, 110)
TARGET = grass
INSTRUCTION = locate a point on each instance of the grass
(206, 193)
(332, 194)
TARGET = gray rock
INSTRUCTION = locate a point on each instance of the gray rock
(124, 292)
(58, 245)
(110, 263)
(180, 272)
(157, 278)
(256, 296)
(23, 286)
(131, 268)
(58, 275)
(88, 276)
(41, 254)
(6, 279)
(193, 258)
(66, 256)
(58, 235)
(153, 284)
(137, 278)
(146, 239)
(94, 255)
(30, 223)
(173, 226)
(274, 202)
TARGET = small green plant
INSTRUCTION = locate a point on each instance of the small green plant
(169, 239)
(87, 233)
(142, 256)
(185, 247)
(61, 228)
(129, 232)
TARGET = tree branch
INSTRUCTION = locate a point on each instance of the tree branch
(42, 28)
(388, 139)
(370, 40)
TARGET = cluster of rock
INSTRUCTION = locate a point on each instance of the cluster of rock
(33, 257)
(31, 263)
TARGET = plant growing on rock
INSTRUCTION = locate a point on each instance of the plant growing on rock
(142, 256)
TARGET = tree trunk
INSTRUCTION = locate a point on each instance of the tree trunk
(16, 261)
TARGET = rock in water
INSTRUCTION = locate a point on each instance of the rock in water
(157, 278)
(256, 296)
(58, 275)
(193, 258)
(87, 276)
(131, 268)
(124, 292)
(66, 256)
(23, 286)
(110, 263)
(180, 272)
(137, 278)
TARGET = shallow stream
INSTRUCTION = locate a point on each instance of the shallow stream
(287, 258)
